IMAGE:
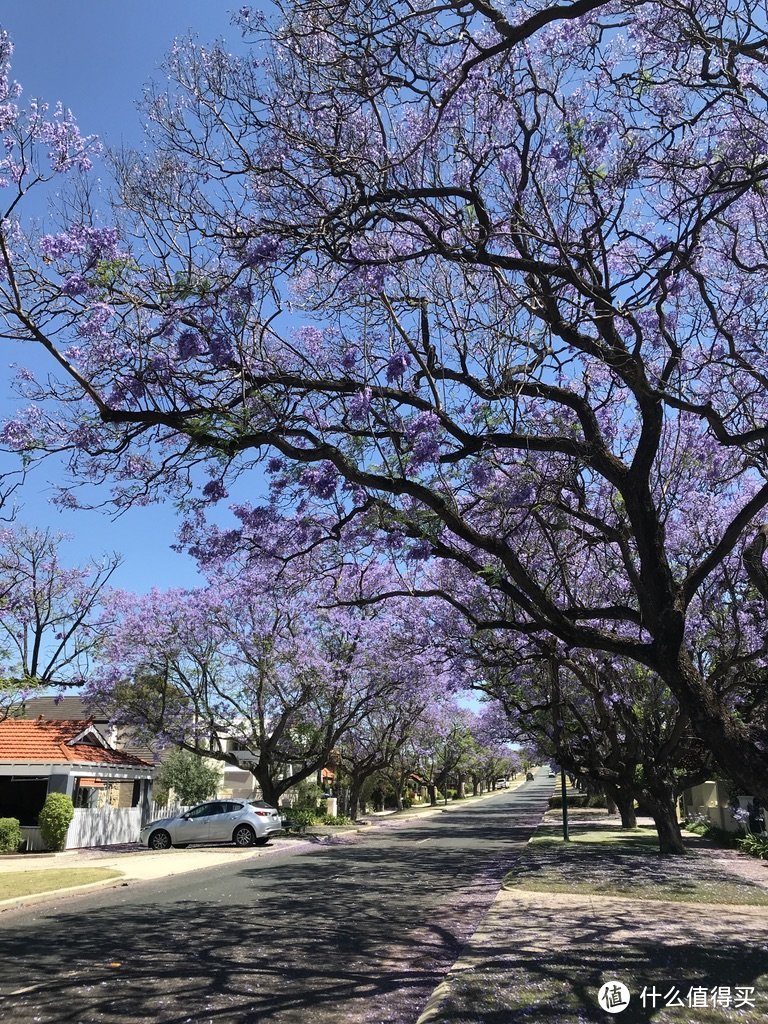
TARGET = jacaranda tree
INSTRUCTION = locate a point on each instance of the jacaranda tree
(492, 276)
(263, 668)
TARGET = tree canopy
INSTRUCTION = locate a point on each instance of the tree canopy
(490, 278)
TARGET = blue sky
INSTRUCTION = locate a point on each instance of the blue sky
(95, 56)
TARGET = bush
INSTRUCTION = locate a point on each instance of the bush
(756, 846)
(10, 835)
(54, 820)
(335, 819)
(705, 828)
(574, 800)
(190, 777)
(298, 820)
(308, 796)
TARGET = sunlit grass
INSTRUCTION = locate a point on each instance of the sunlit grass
(28, 883)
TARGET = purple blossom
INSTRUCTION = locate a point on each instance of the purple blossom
(221, 352)
(320, 481)
(215, 490)
(422, 432)
(348, 360)
(258, 250)
(397, 366)
(419, 551)
(480, 474)
(360, 405)
(190, 344)
(76, 284)
(81, 240)
(95, 325)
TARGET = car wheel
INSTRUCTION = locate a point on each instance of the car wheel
(243, 836)
(160, 840)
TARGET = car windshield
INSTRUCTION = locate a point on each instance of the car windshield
(260, 803)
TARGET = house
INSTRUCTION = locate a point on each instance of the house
(235, 781)
(110, 789)
(75, 708)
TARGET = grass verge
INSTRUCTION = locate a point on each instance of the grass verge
(28, 883)
(624, 862)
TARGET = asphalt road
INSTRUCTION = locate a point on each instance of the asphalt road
(352, 932)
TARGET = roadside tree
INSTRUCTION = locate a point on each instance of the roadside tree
(495, 282)
(51, 615)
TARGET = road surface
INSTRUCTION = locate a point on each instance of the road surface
(356, 931)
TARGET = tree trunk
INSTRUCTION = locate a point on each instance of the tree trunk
(664, 814)
(432, 791)
(736, 751)
(626, 805)
(354, 797)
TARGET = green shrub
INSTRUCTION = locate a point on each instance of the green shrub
(335, 819)
(10, 835)
(190, 777)
(298, 820)
(308, 796)
(756, 846)
(574, 800)
(705, 828)
(597, 801)
(58, 811)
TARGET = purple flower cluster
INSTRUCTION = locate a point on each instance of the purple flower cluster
(397, 365)
(190, 344)
(82, 240)
(360, 405)
(320, 481)
(423, 434)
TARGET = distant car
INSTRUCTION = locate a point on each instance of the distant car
(552, 775)
(529, 777)
(242, 822)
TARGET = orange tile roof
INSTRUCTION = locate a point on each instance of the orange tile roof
(37, 740)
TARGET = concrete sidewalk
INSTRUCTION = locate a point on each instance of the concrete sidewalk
(544, 956)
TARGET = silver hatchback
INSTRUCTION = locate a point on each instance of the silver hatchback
(242, 822)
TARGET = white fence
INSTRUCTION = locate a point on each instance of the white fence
(166, 810)
(104, 826)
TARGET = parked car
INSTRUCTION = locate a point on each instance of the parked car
(552, 775)
(242, 822)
